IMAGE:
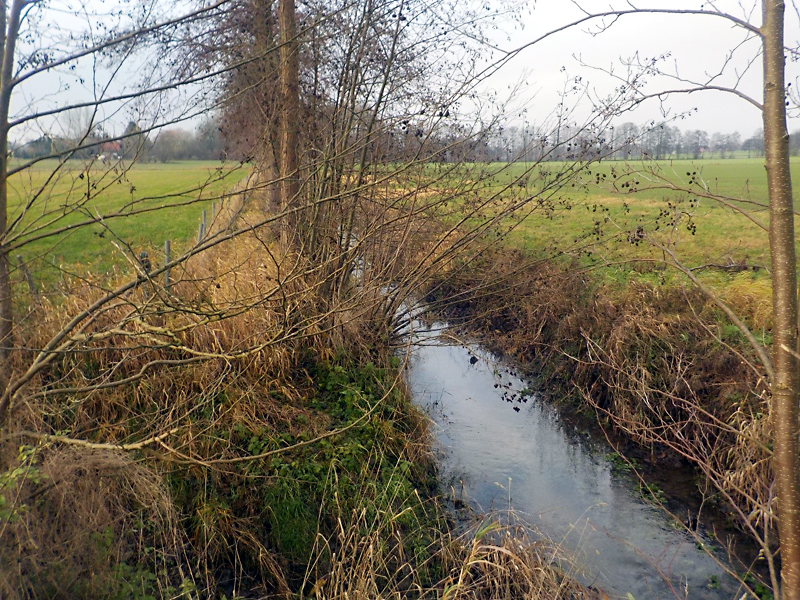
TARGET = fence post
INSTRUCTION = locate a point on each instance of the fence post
(167, 259)
(202, 232)
(29, 279)
(144, 263)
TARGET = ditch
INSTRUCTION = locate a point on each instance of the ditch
(502, 446)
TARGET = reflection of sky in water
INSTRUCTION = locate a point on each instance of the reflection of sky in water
(559, 481)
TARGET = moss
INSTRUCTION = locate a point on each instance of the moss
(368, 468)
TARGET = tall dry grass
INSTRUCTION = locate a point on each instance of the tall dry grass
(659, 365)
(73, 515)
(161, 447)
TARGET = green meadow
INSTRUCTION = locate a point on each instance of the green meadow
(144, 205)
(605, 214)
(613, 211)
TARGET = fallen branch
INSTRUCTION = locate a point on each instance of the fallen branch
(63, 439)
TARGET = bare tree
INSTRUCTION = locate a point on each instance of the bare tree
(781, 363)
(289, 109)
(100, 62)
(786, 382)
(696, 143)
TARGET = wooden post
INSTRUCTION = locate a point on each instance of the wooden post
(202, 231)
(29, 279)
(166, 262)
(144, 263)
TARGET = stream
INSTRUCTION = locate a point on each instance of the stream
(503, 447)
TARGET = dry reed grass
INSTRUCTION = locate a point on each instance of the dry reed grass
(370, 557)
(76, 513)
(213, 354)
(752, 297)
(198, 379)
(659, 364)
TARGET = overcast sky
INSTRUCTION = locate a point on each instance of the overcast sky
(696, 47)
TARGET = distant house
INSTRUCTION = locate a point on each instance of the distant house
(110, 150)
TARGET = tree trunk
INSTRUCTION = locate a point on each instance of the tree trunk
(289, 115)
(784, 301)
(9, 24)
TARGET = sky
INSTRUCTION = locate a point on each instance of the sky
(695, 47)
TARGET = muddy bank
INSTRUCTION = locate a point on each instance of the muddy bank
(672, 385)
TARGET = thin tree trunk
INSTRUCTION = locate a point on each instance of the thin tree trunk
(6, 317)
(290, 114)
(784, 301)
(9, 23)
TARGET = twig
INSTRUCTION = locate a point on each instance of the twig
(93, 445)
(238, 459)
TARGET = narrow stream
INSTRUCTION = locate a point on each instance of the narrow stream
(501, 447)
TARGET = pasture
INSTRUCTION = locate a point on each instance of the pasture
(624, 220)
(142, 206)
(609, 213)
(709, 213)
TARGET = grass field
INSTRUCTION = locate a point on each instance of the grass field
(611, 211)
(612, 217)
(606, 214)
(40, 203)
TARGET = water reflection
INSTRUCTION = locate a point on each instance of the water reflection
(508, 447)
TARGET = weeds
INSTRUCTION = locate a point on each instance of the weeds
(242, 433)
(622, 464)
(652, 493)
(657, 364)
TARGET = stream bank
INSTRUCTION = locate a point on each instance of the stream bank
(319, 484)
(505, 449)
(656, 368)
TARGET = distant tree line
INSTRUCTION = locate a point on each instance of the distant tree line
(627, 141)
(624, 142)
(210, 141)
(204, 143)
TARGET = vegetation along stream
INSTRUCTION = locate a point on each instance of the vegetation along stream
(504, 446)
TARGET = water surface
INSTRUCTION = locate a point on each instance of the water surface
(502, 448)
